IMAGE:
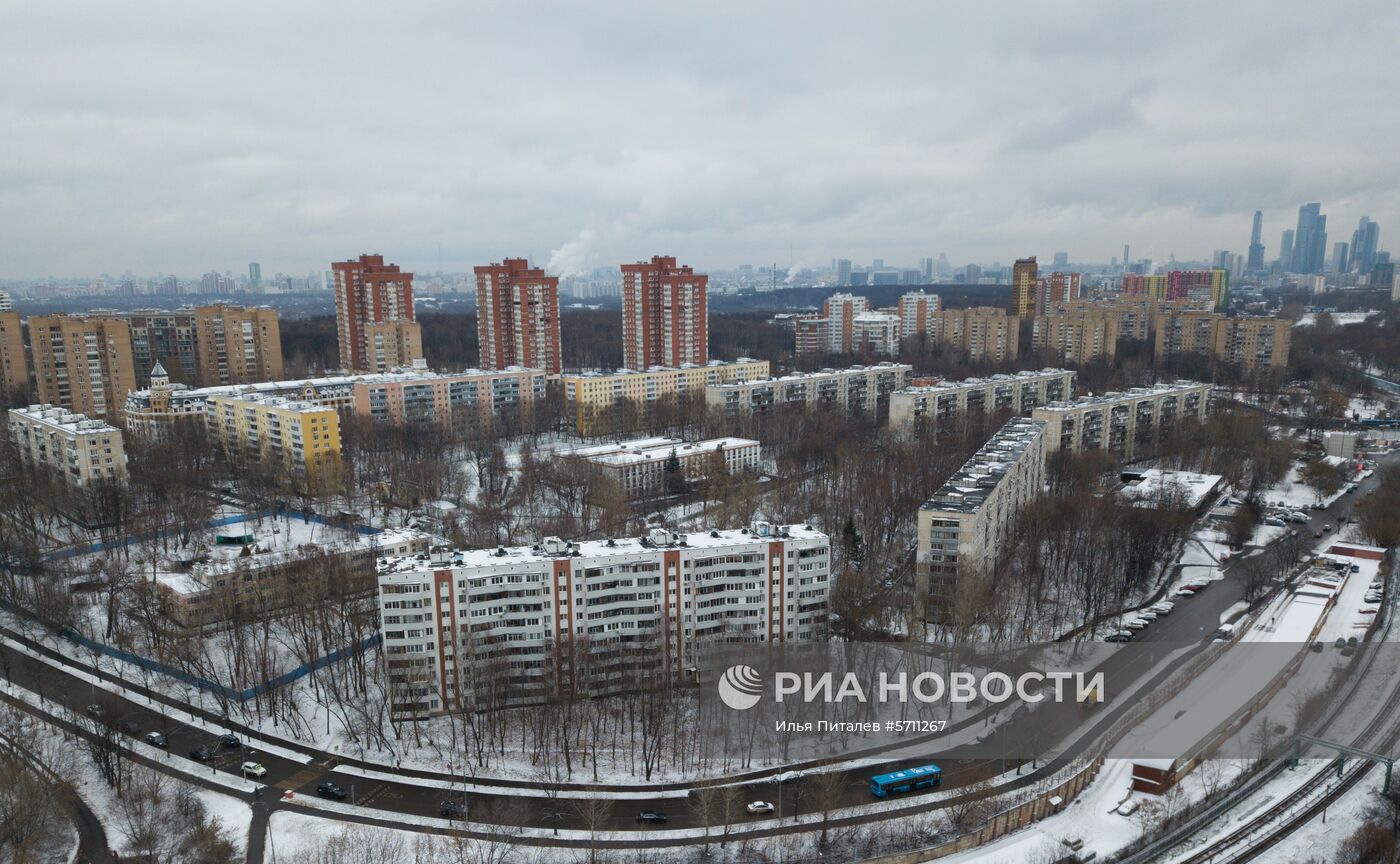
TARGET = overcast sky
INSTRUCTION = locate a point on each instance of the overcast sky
(180, 137)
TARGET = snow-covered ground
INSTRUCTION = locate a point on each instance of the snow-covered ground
(1370, 409)
(232, 814)
(1094, 817)
(1308, 319)
(1293, 494)
(192, 566)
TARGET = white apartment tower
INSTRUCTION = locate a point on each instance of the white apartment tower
(511, 625)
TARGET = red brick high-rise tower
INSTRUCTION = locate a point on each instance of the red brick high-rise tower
(665, 314)
(370, 292)
(517, 316)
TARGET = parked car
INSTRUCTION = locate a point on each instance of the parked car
(202, 753)
(96, 712)
(156, 739)
(1185, 591)
(230, 741)
(1148, 616)
(330, 790)
(1164, 608)
(1297, 517)
(1373, 598)
(1136, 624)
(1275, 522)
(652, 817)
(756, 807)
(1119, 636)
(253, 769)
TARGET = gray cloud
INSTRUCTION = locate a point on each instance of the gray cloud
(155, 135)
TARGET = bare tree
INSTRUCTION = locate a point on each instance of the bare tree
(594, 813)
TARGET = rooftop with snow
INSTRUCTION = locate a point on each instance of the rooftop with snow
(63, 420)
(968, 488)
(652, 450)
(555, 548)
(1156, 485)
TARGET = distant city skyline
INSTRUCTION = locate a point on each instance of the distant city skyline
(139, 142)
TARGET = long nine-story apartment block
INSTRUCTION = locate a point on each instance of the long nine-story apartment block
(1128, 424)
(948, 401)
(402, 396)
(597, 402)
(863, 389)
(508, 625)
(964, 526)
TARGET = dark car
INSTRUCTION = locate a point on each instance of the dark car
(330, 790)
(156, 739)
(202, 753)
(230, 741)
(97, 712)
(654, 817)
(452, 809)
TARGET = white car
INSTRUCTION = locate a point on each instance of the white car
(1136, 624)
(758, 807)
(253, 769)
(1147, 616)
(1164, 608)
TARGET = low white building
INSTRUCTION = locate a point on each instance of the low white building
(80, 449)
(1341, 444)
(258, 565)
(639, 466)
(510, 624)
(1165, 489)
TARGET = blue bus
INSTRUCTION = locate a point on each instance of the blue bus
(922, 777)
